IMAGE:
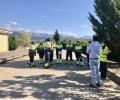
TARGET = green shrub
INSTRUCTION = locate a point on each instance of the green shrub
(13, 43)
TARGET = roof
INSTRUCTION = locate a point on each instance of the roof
(4, 31)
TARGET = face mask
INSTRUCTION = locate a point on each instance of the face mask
(59, 42)
(102, 45)
(78, 43)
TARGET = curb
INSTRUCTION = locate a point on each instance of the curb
(3, 60)
(113, 77)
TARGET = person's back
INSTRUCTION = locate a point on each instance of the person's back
(95, 49)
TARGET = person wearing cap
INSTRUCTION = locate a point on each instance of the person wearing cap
(32, 53)
(59, 48)
(103, 60)
(78, 51)
(47, 46)
(40, 50)
(69, 49)
(94, 51)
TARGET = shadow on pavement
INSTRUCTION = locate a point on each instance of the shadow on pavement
(23, 65)
(72, 86)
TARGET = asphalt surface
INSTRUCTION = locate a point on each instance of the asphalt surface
(18, 81)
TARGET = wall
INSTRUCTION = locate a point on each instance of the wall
(3, 42)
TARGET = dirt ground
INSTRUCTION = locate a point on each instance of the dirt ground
(61, 82)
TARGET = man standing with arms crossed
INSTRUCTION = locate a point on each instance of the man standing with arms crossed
(94, 51)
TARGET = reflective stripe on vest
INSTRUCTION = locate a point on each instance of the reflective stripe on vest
(69, 45)
(59, 46)
(40, 46)
(78, 47)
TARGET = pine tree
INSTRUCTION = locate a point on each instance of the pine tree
(56, 36)
(107, 25)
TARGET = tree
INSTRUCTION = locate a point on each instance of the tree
(13, 42)
(107, 25)
(56, 36)
(24, 39)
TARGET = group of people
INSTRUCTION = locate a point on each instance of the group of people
(46, 49)
(98, 61)
(96, 54)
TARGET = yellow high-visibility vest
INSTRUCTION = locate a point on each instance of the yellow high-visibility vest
(40, 46)
(69, 45)
(78, 47)
(32, 47)
(59, 46)
(103, 55)
(47, 45)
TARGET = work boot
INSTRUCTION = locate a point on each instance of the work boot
(82, 63)
(71, 62)
(57, 61)
(60, 62)
(32, 64)
(51, 63)
(29, 63)
(77, 63)
(40, 61)
(46, 65)
(66, 62)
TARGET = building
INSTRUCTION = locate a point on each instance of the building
(4, 39)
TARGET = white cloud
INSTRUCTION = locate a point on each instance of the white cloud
(51, 33)
(68, 34)
(44, 31)
(13, 23)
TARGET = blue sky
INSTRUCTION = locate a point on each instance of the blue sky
(68, 16)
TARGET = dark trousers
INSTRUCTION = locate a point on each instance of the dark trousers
(103, 69)
(59, 56)
(88, 58)
(41, 54)
(69, 53)
(51, 55)
(78, 56)
(47, 57)
(31, 56)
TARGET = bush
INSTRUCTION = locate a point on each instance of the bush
(13, 43)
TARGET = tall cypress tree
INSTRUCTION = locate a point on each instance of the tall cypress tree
(56, 36)
(107, 25)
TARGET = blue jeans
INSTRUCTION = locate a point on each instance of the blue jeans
(94, 66)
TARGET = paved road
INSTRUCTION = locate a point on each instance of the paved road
(61, 82)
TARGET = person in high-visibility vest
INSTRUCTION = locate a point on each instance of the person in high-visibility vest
(103, 60)
(78, 51)
(47, 46)
(59, 48)
(51, 54)
(32, 53)
(40, 50)
(69, 50)
(89, 42)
